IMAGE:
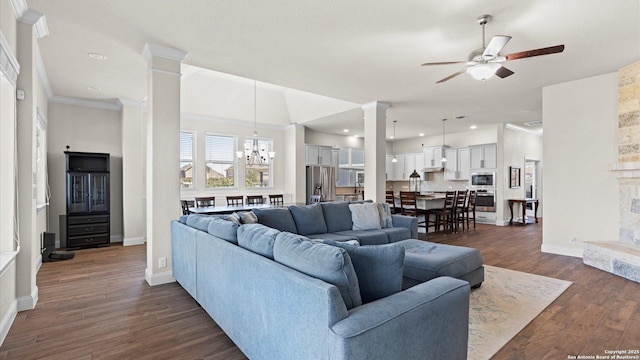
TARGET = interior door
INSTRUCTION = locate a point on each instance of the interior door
(531, 182)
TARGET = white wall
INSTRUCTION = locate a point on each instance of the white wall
(337, 141)
(580, 191)
(89, 130)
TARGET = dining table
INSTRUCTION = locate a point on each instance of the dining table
(228, 209)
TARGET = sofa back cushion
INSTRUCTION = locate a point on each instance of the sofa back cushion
(224, 229)
(309, 219)
(277, 218)
(258, 238)
(325, 262)
(337, 216)
(378, 267)
(200, 222)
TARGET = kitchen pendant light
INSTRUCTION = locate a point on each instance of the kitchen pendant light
(444, 157)
(393, 144)
(254, 154)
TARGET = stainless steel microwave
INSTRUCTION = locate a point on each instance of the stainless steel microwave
(483, 180)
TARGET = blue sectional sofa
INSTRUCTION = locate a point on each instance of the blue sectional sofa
(280, 295)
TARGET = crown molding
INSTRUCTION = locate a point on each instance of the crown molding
(376, 104)
(134, 103)
(19, 7)
(38, 20)
(154, 50)
(9, 66)
(520, 128)
(87, 103)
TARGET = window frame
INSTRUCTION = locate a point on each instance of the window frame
(194, 170)
(233, 162)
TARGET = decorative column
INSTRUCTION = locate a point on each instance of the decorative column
(133, 189)
(375, 149)
(163, 158)
(30, 26)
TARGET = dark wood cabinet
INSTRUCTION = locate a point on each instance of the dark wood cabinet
(87, 199)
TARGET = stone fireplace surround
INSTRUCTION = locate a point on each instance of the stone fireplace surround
(623, 257)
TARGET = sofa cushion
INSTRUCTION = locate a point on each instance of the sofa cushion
(224, 229)
(337, 216)
(200, 222)
(277, 218)
(247, 217)
(325, 262)
(379, 268)
(309, 219)
(396, 233)
(365, 216)
(257, 238)
(367, 237)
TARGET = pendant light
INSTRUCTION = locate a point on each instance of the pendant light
(444, 157)
(254, 154)
(393, 144)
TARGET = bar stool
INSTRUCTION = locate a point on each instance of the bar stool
(389, 200)
(444, 217)
(409, 206)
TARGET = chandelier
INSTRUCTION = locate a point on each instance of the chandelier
(255, 154)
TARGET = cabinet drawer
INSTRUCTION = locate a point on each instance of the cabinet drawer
(88, 229)
(75, 241)
(89, 219)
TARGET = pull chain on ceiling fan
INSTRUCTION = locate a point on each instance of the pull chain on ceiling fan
(486, 61)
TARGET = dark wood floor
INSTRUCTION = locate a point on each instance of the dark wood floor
(98, 306)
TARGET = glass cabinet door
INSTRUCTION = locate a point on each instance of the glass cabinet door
(77, 192)
(99, 192)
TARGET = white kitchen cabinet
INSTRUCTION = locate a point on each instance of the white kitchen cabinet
(413, 162)
(398, 169)
(351, 158)
(457, 165)
(484, 156)
(433, 156)
(318, 155)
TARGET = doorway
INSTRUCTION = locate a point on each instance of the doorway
(531, 182)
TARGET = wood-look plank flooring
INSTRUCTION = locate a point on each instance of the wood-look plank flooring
(98, 306)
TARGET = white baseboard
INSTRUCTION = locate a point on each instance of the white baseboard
(7, 320)
(38, 263)
(28, 302)
(115, 238)
(133, 241)
(159, 278)
(562, 250)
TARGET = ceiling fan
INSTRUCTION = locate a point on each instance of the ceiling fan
(486, 61)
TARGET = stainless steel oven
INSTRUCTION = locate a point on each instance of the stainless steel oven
(486, 200)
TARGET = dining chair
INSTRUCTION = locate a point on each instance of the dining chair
(444, 217)
(206, 201)
(235, 200)
(277, 199)
(390, 200)
(186, 204)
(315, 199)
(255, 199)
(409, 206)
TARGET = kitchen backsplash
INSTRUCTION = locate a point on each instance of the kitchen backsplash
(435, 182)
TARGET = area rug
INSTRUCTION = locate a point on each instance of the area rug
(505, 303)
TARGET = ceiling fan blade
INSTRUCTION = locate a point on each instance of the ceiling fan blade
(503, 72)
(536, 52)
(452, 76)
(443, 63)
(495, 45)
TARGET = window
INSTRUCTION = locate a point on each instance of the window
(187, 170)
(42, 186)
(220, 160)
(259, 175)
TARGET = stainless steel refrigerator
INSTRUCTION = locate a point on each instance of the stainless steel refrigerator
(321, 180)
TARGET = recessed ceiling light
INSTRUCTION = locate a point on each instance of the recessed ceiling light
(473, 127)
(345, 130)
(355, 136)
(97, 56)
(460, 117)
(391, 137)
(421, 134)
(93, 88)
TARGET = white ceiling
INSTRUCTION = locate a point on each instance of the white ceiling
(356, 51)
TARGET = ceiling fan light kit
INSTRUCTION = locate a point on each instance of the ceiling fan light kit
(486, 61)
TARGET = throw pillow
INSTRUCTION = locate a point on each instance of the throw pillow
(248, 217)
(379, 268)
(325, 262)
(233, 217)
(384, 210)
(365, 216)
(309, 219)
(257, 238)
